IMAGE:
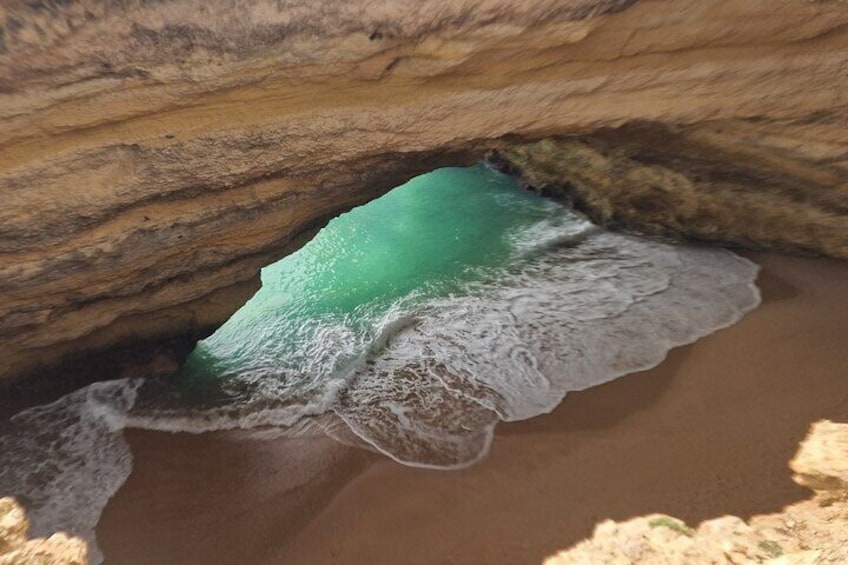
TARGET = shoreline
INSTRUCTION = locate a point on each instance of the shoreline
(668, 440)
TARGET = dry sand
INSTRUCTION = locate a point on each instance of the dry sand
(708, 432)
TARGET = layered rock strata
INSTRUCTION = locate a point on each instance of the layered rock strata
(748, 183)
(155, 155)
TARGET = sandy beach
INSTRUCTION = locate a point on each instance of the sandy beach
(708, 432)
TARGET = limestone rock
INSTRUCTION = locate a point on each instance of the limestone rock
(663, 540)
(15, 549)
(13, 525)
(728, 181)
(58, 549)
(817, 535)
(155, 155)
(821, 463)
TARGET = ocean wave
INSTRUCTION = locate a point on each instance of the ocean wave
(423, 379)
(512, 349)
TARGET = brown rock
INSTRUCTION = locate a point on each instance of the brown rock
(821, 463)
(58, 549)
(663, 540)
(155, 155)
(15, 549)
(13, 525)
(729, 181)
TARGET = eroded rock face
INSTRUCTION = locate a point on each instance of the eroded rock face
(821, 463)
(155, 155)
(15, 549)
(13, 525)
(739, 182)
(663, 540)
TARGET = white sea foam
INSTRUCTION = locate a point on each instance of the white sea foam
(429, 381)
(511, 349)
(65, 460)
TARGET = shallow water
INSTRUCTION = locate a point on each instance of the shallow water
(421, 320)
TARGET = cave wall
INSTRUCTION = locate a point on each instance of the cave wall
(155, 154)
(746, 183)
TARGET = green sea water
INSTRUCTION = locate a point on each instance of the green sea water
(457, 289)
(429, 237)
(411, 326)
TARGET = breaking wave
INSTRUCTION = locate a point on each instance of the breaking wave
(494, 311)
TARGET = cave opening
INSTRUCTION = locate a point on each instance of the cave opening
(410, 326)
(453, 302)
(320, 309)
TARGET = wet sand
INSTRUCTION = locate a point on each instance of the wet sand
(708, 432)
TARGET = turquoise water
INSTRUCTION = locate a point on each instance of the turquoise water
(410, 326)
(451, 303)
(427, 238)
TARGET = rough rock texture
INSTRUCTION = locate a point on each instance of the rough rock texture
(15, 549)
(13, 525)
(662, 540)
(807, 533)
(737, 182)
(822, 462)
(154, 155)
